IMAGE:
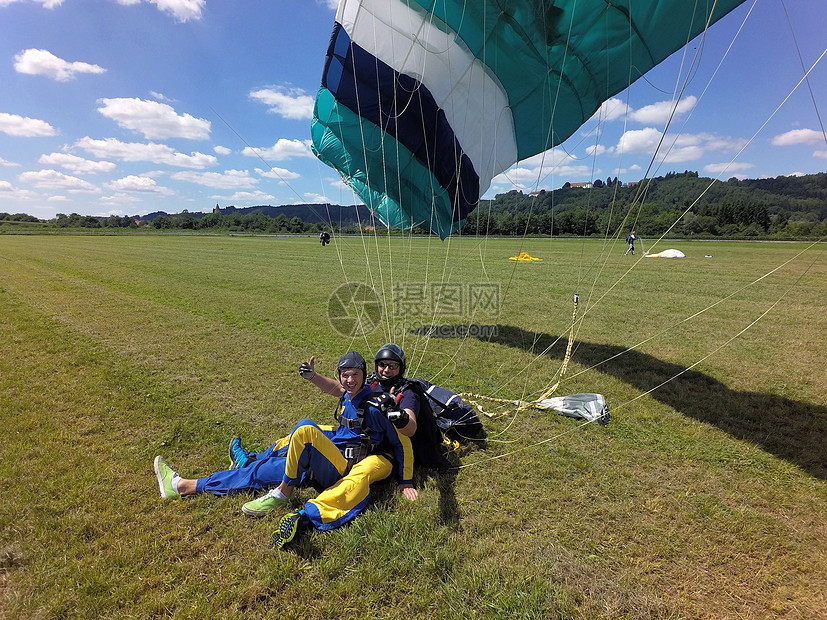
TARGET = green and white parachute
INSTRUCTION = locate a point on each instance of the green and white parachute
(424, 102)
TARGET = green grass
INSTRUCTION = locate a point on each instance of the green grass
(703, 498)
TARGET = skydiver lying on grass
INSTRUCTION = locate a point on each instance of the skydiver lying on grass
(344, 462)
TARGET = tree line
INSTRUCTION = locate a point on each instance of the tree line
(677, 204)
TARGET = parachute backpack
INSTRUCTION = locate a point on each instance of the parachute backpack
(455, 418)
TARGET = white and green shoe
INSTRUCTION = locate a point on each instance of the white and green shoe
(264, 504)
(165, 476)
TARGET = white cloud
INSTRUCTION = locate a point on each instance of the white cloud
(8, 164)
(654, 114)
(732, 168)
(52, 179)
(691, 147)
(229, 179)
(118, 199)
(250, 198)
(134, 183)
(311, 198)
(611, 109)
(799, 136)
(181, 10)
(112, 148)
(534, 172)
(820, 154)
(281, 150)
(658, 113)
(47, 4)
(337, 183)
(221, 150)
(638, 141)
(76, 164)
(280, 174)
(26, 127)
(156, 121)
(9, 192)
(43, 62)
(287, 102)
(596, 150)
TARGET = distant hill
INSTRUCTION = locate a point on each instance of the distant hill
(307, 213)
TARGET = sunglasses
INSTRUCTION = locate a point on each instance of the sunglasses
(390, 365)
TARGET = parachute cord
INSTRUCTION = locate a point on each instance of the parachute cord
(474, 399)
(804, 68)
(749, 326)
(567, 357)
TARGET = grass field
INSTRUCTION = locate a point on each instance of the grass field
(703, 498)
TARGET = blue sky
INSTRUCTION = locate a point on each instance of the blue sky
(125, 107)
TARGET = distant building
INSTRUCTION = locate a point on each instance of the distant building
(216, 210)
(586, 185)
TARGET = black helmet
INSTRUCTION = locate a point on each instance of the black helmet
(352, 359)
(392, 352)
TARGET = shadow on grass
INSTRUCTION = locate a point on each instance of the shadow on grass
(789, 429)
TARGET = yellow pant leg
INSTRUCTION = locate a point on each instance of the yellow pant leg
(283, 441)
(310, 450)
(344, 500)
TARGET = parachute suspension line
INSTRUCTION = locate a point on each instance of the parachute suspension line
(549, 140)
(704, 310)
(476, 399)
(258, 153)
(738, 154)
(643, 188)
(749, 326)
(286, 182)
(677, 95)
(564, 367)
(804, 68)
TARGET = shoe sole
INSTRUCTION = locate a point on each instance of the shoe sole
(233, 464)
(290, 523)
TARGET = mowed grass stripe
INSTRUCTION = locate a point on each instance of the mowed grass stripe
(112, 353)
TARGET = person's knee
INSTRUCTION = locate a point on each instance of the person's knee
(304, 430)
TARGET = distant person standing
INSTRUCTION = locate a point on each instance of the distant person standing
(324, 238)
(631, 241)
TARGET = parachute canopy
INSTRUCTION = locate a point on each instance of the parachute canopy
(667, 254)
(524, 256)
(585, 406)
(422, 103)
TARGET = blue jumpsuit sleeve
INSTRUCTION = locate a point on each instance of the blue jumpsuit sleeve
(410, 400)
(401, 445)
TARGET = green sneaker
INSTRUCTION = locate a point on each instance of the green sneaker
(264, 504)
(239, 457)
(165, 475)
(288, 527)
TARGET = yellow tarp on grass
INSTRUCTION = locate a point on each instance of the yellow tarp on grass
(524, 256)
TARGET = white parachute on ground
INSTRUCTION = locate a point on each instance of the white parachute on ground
(667, 254)
(585, 406)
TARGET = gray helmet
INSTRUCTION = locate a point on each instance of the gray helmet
(352, 359)
(391, 352)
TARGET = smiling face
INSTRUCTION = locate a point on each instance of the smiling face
(352, 379)
(387, 369)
